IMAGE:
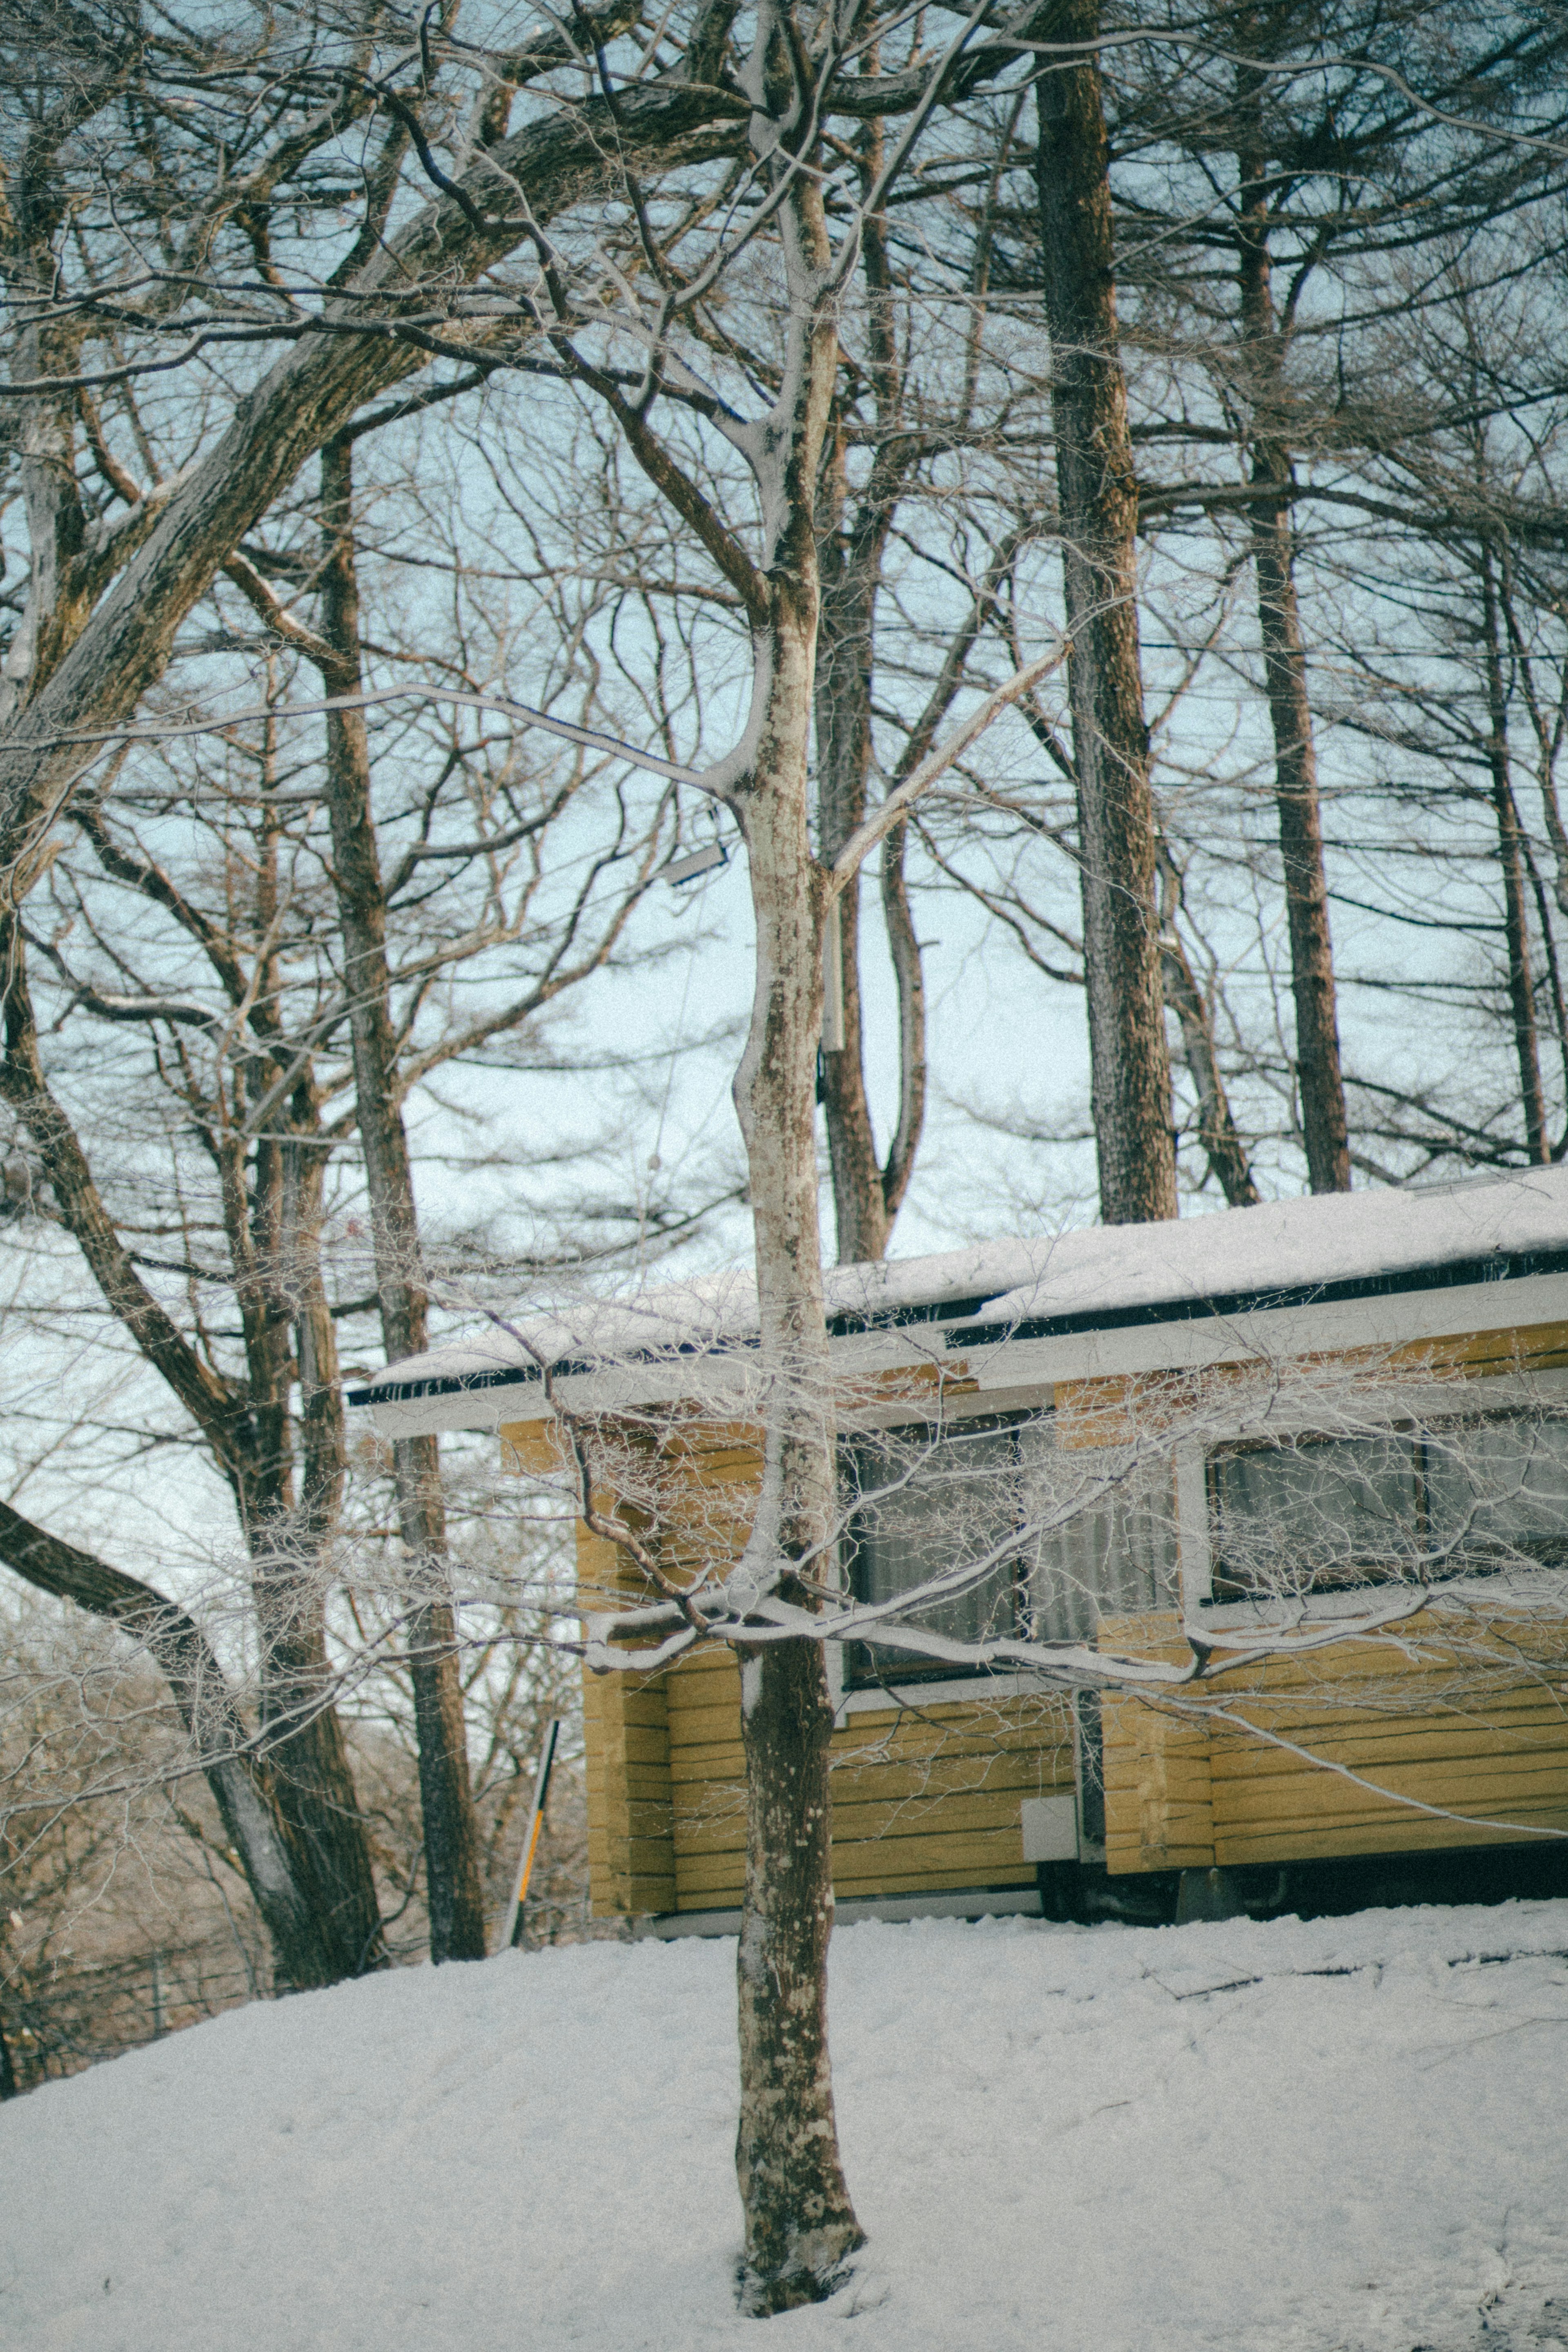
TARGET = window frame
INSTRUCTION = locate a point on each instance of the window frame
(856, 1680)
(1417, 1407)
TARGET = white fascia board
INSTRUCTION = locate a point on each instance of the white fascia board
(1009, 1372)
(726, 1383)
(1275, 1335)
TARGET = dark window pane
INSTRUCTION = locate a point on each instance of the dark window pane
(1497, 1490)
(1315, 1513)
(935, 1506)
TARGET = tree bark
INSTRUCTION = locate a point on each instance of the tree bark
(279, 1871)
(1510, 865)
(454, 1884)
(245, 1428)
(1318, 1075)
(1216, 1131)
(867, 1193)
(1097, 497)
(800, 2226)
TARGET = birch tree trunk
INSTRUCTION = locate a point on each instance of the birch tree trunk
(1097, 497)
(454, 1886)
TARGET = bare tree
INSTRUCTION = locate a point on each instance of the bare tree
(280, 1865)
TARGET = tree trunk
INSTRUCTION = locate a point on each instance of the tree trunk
(306, 1949)
(246, 1433)
(454, 1886)
(800, 2224)
(1319, 1076)
(867, 1193)
(1097, 497)
(1510, 863)
(1222, 1145)
(862, 1218)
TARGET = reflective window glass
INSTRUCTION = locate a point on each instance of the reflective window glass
(923, 1507)
(1313, 1512)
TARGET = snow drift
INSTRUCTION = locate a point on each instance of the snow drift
(1286, 2137)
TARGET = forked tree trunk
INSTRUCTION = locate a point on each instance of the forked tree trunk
(800, 2224)
(1320, 1078)
(454, 1886)
(1098, 503)
(246, 1427)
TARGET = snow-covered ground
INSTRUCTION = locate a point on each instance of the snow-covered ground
(1286, 2138)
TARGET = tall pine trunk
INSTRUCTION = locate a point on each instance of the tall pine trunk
(1510, 865)
(454, 1886)
(1318, 1075)
(1098, 503)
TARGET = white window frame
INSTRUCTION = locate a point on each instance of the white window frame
(1477, 1398)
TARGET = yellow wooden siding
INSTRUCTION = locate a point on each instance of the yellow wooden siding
(929, 1802)
(921, 1803)
(1495, 1756)
(1183, 1792)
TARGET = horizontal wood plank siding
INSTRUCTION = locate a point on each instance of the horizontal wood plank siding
(930, 1801)
(1494, 1763)
(922, 1804)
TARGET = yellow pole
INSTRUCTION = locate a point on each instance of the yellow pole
(530, 1844)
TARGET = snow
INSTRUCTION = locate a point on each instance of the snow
(1291, 1244)
(1347, 2136)
(1278, 1245)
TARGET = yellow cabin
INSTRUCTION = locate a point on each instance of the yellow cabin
(1319, 1447)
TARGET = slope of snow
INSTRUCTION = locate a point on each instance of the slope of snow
(1291, 2137)
(1278, 1245)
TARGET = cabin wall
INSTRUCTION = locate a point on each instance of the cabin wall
(923, 1802)
(1460, 1739)
(1334, 1754)
(1330, 1755)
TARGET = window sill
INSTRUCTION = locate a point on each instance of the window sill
(973, 1688)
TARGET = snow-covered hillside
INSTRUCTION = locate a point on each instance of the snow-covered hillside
(1348, 2134)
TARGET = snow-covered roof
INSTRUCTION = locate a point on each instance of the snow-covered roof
(1225, 1263)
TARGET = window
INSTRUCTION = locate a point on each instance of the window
(1091, 1533)
(932, 1502)
(1497, 1491)
(1316, 1514)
